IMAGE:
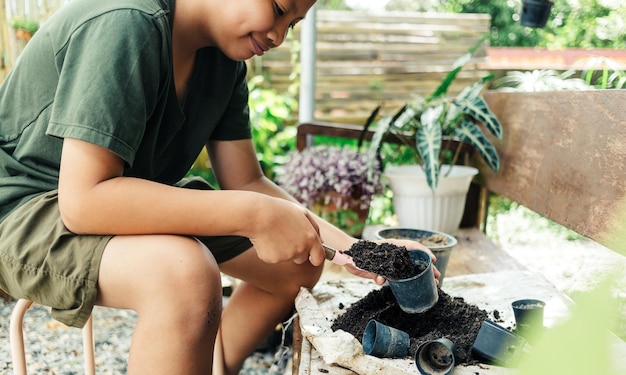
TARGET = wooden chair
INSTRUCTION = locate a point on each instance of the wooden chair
(16, 338)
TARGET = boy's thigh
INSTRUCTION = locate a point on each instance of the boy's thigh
(136, 269)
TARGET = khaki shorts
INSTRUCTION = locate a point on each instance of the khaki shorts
(42, 261)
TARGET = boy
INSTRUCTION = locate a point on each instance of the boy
(101, 117)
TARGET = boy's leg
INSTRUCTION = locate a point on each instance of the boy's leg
(174, 285)
(262, 300)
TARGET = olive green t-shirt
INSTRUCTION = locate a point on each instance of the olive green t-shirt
(101, 71)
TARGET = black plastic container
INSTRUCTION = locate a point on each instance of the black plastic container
(535, 13)
(383, 341)
(435, 357)
(496, 345)
(418, 293)
(528, 316)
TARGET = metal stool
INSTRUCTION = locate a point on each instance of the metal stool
(16, 337)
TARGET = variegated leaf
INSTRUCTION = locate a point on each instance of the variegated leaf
(478, 109)
(382, 127)
(470, 133)
(428, 143)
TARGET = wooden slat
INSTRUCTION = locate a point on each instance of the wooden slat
(476, 253)
(378, 57)
(563, 155)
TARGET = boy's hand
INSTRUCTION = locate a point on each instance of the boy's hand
(285, 231)
(410, 245)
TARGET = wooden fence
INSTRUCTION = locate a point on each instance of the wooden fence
(366, 59)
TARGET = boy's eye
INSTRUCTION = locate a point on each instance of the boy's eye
(278, 10)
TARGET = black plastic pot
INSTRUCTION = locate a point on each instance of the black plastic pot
(435, 357)
(496, 345)
(383, 341)
(418, 293)
(535, 13)
(528, 316)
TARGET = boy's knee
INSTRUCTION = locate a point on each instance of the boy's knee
(306, 277)
(191, 272)
(311, 276)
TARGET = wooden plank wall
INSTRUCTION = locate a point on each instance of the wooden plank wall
(365, 59)
(563, 155)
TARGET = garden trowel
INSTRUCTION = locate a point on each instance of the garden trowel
(337, 257)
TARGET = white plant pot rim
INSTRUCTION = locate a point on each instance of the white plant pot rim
(412, 171)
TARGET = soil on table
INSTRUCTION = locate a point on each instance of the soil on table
(451, 317)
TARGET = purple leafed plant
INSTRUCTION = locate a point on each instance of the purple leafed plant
(310, 174)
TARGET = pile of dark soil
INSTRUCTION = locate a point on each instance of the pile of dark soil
(451, 318)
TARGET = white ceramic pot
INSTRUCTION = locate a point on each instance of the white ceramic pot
(417, 206)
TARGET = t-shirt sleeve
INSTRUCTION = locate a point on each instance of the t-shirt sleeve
(108, 81)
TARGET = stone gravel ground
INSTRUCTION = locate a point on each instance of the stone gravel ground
(574, 267)
(53, 348)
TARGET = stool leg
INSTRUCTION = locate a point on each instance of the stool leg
(88, 347)
(16, 336)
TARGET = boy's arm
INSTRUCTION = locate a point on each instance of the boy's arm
(94, 198)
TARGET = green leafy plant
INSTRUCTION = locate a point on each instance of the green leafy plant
(272, 119)
(540, 80)
(424, 124)
(25, 24)
(604, 73)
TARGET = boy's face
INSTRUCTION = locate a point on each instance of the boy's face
(251, 27)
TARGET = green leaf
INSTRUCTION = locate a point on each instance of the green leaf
(373, 153)
(478, 109)
(470, 133)
(428, 143)
(475, 89)
(457, 67)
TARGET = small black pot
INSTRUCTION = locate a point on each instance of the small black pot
(535, 13)
(496, 345)
(419, 293)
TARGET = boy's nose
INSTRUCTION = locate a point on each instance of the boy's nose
(277, 35)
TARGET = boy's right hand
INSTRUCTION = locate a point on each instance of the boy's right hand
(283, 231)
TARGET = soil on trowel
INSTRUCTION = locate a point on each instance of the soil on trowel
(451, 317)
(385, 259)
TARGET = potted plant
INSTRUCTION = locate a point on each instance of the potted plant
(24, 28)
(540, 80)
(333, 182)
(535, 13)
(426, 126)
